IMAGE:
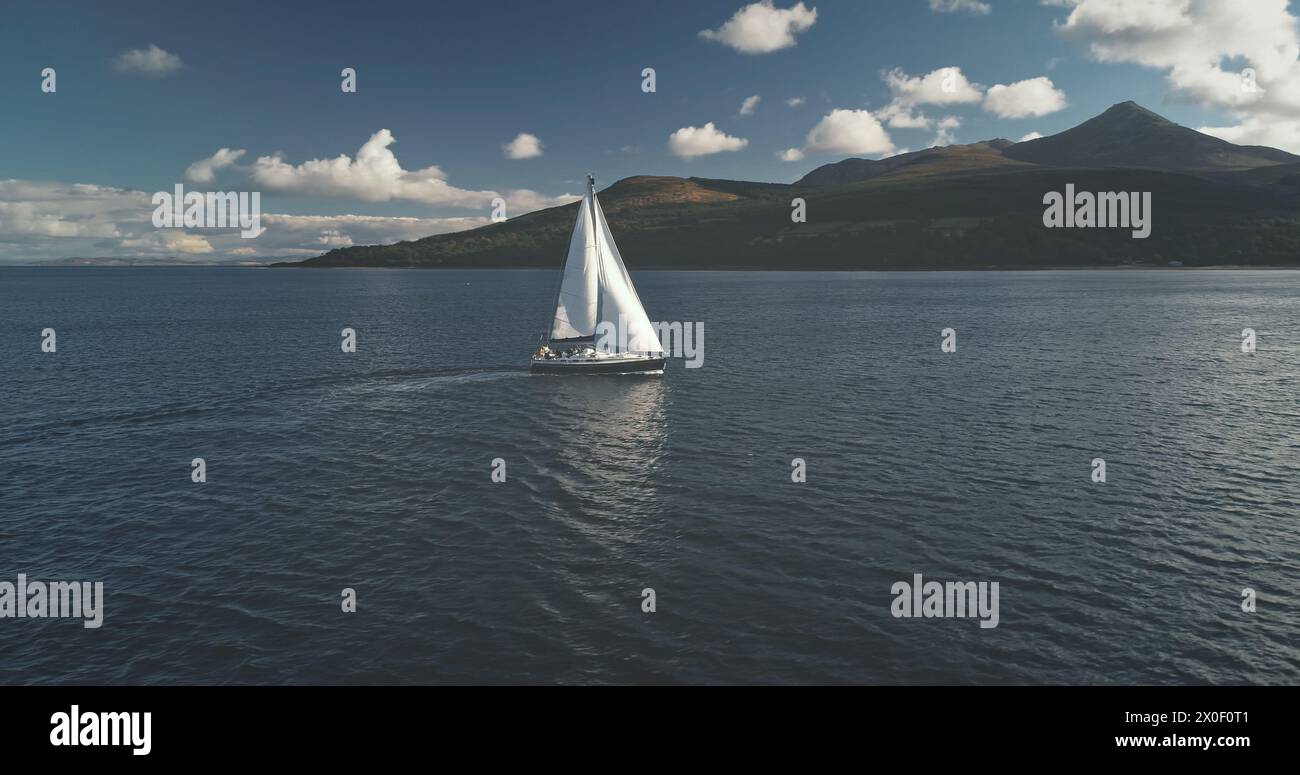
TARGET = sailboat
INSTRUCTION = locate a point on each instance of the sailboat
(599, 325)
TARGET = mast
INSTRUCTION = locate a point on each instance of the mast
(600, 265)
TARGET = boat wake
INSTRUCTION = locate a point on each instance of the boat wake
(255, 395)
(458, 378)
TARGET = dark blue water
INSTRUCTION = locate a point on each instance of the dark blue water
(372, 471)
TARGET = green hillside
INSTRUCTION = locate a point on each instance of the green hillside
(970, 206)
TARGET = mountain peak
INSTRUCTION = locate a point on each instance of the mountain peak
(1124, 135)
(1129, 135)
(1131, 111)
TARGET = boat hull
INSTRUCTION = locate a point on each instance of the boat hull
(598, 366)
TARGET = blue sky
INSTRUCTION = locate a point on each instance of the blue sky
(455, 82)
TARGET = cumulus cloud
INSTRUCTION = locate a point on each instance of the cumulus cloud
(1268, 130)
(900, 116)
(945, 130)
(524, 146)
(47, 219)
(955, 6)
(151, 61)
(1205, 47)
(945, 86)
(37, 209)
(1030, 136)
(373, 176)
(761, 28)
(1024, 99)
(849, 132)
(795, 102)
(790, 154)
(168, 242)
(747, 107)
(691, 141)
(950, 86)
(524, 200)
(42, 220)
(204, 170)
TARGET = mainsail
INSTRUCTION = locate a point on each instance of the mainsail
(597, 298)
(575, 307)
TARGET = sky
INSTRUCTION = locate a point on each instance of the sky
(457, 104)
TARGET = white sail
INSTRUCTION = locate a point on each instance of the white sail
(619, 304)
(575, 308)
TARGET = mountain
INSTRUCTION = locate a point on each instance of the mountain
(1129, 135)
(967, 206)
(986, 155)
(660, 210)
(1126, 135)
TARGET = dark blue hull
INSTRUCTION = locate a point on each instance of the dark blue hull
(621, 367)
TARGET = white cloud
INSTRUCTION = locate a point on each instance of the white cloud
(524, 146)
(945, 130)
(954, 6)
(1259, 130)
(747, 107)
(1030, 136)
(166, 242)
(899, 116)
(1203, 47)
(849, 131)
(790, 154)
(151, 61)
(795, 102)
(1024, 99)
(47, 219)
(38, 209)
(204, 170)
(42, 220)
(373, 176)
(761, 28)
(691, 141)
(523, 200)
(945, 86)
(333, 238)
(1120, 16)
